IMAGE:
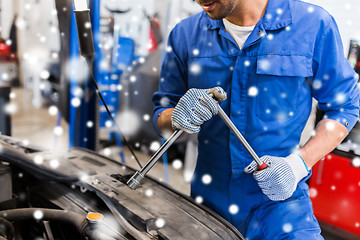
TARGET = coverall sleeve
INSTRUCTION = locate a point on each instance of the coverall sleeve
(335, 84)
(173, 76)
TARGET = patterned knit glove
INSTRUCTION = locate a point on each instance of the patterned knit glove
(196, 107)
(279, 180)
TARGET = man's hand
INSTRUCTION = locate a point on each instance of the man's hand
(279, 180)
(196, 107)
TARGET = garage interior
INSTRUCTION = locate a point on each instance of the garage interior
(47, 103)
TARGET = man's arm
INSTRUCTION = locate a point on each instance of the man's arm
(164, 121)
(329, 134)
(334, 86)
(279, 180)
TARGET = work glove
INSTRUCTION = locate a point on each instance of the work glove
(196, 107)
(279, 180)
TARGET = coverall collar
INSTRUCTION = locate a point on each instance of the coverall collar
(277, 15)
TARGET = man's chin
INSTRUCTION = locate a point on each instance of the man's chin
(214, 17)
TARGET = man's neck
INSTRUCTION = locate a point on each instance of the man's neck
(248, 12)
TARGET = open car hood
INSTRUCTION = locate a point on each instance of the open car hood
(184, 218)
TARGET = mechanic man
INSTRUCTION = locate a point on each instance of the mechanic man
(271, 57)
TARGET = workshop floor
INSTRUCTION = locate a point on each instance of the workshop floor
(37, 125)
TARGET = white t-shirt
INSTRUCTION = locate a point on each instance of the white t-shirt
(239, 34)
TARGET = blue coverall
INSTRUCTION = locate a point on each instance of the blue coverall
(294, 54)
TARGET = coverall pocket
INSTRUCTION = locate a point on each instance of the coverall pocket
(278, 81)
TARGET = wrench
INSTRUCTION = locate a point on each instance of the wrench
(230, 124)
(138, 176)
